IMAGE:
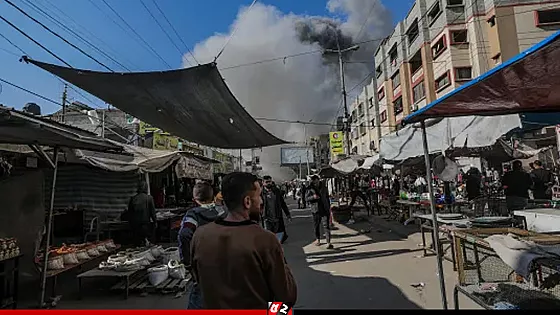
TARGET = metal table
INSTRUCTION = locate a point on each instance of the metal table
(445, 226)
(98, 273)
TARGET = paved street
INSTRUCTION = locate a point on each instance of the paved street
(364, 271)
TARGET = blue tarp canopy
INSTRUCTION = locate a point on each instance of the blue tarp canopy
(527, 83)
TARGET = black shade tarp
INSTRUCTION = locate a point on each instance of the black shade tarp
(194, 103)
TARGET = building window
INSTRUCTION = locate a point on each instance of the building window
(361, 109)
(355, 133)
(353, 117)
(383, 116)
(412, 32)
(396, 79)
(547, 17)
(372, 146)
(418, 92)
(459, 37)
(398, 105)
(378, 71)
(373, 123)
(381, 94)
(492, 21)
(393, 55)
(439, 47)
(454, 2)
(463, 73)
(416, 62)
(443, 82)
(362, 129)
(434, 13)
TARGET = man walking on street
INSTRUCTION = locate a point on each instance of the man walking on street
(274, 205)
(318, 198)
(204, 213)
(237, 264)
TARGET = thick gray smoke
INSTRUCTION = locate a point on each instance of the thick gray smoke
(302, 88)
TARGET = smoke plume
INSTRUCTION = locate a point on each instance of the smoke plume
(305, 87)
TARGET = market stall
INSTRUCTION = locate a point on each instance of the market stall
(20, 128)
(525, 83)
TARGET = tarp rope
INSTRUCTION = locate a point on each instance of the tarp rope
(233, 33)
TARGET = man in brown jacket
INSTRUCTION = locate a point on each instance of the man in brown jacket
(237, 263)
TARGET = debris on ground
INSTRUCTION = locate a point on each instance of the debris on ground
(419, 285)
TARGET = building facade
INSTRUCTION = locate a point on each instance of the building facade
(440, 45)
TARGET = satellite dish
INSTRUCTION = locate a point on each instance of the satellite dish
(445, 168)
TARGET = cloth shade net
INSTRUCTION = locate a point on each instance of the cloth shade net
(193, 103)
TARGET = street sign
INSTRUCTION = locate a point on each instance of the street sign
(336, 140)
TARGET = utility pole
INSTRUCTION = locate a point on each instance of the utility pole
(240, 160)
(64, 97)
(346, 120)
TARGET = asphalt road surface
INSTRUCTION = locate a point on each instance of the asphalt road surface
(368, 269)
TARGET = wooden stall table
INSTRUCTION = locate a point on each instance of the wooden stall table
(481, 252)
(9, 280)
(53, 274)
(99, 273)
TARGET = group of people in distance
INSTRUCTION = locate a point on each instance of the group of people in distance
(234, 252)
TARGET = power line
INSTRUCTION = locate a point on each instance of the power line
(33, 40)
(78, 36)
(161, 27)
(10, 52)
(56, 34)
(86, 30)
(12, 43)
(367, 18)
(175, 31)
(136, 33)
(272, 59)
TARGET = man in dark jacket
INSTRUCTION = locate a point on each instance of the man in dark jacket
(274, 205)
(516, 183)
(141, 210)
(204, 213)
(318, 197)
(542, 181)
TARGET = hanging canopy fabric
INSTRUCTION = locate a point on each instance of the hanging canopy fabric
(194, 103)
(17, 127)
(370, 162)
(145, 160)
(526, 83)
(349, 164)
(456, 132)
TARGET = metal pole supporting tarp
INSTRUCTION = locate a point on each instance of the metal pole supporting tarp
(434, 216)
(49, 230)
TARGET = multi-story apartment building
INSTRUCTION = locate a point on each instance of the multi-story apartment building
(440, 45)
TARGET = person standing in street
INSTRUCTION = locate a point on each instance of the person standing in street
(274, 206)
(301, 200)
(318, 198)
(141, 210)
(516, 183)
(542, 181)
(205, 212)
(238, 264)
